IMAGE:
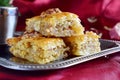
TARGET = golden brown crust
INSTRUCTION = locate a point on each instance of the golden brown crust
(92, 35)
(26, 35)
(13, 41)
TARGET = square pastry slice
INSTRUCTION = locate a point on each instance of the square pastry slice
(54, 23)
(84, 44)
(38, 50)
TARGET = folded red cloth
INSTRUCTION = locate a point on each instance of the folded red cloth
(105, 11)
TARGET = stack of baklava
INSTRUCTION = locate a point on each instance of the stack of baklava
(53, 35)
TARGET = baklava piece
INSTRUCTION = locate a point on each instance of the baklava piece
(84, 44)
(39, 50)
(55, 23)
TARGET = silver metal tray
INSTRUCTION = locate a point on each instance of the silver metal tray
(107, 46)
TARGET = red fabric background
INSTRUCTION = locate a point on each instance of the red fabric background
(107, 13)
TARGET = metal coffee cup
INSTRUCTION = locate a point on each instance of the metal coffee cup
(8, 20)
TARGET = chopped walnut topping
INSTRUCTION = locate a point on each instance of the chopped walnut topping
(50, 11)
(31, 35)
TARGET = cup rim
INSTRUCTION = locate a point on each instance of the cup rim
(8, 7)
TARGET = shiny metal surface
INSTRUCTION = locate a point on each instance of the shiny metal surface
(8, 20)
(107, 46)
